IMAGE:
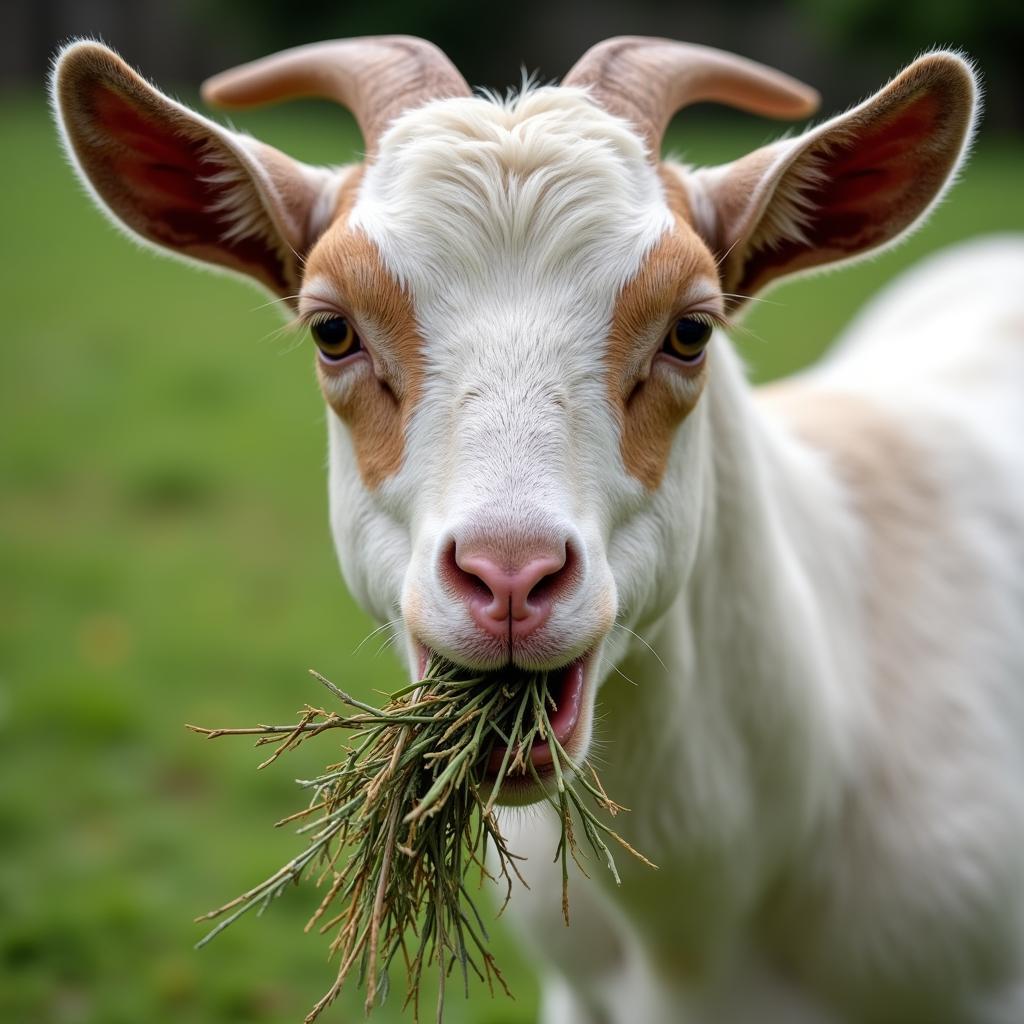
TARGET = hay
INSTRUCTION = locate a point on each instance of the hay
(396, 828)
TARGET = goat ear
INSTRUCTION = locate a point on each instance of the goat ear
(845, 188)
(181, 181)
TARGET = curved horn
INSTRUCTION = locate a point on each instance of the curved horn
(376, 77)
(646, 80)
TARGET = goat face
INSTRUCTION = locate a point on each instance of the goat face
(512, 271)
(512, 303)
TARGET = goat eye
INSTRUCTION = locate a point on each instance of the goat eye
(335, 337)
(687, 339)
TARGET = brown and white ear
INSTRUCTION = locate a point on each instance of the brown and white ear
(182, 182)
(842, 189)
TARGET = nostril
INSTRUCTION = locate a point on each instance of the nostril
(554, 583)
(467, 584)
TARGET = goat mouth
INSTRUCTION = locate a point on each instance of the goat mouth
(566, 690)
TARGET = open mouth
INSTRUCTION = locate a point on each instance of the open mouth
(565, 689)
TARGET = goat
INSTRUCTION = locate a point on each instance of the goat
(800, 605)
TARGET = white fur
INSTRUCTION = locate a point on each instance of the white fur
(513, 263)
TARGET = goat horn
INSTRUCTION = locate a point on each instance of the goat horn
(646, 80)
(376, 77)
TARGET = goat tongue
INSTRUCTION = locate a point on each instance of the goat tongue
(567, 693)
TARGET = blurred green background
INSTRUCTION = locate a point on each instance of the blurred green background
(164, 551)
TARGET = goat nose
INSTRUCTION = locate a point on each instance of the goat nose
(510, 599)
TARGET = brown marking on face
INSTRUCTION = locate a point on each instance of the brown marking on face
(646, 404)
(348, 193)
(676, 196)
(377, 400)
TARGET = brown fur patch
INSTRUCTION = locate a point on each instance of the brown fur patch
(377, 408)
(676, 196)
(649, 409)
(893, 489)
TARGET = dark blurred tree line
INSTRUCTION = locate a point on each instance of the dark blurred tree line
(844, 47)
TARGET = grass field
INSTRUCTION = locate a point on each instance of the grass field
(165, 558)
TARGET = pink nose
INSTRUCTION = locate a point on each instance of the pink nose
(511, 600)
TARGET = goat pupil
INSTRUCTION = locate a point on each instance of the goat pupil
(333, 331)
(335, 337)
(691, 332)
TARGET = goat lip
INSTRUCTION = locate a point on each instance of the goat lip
(567, 693)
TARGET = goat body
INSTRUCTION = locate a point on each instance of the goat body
(797, 609)
(821, 740)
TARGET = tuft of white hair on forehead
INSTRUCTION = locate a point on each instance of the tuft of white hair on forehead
(532, 187)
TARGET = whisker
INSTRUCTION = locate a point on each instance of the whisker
(752, 298)
(725, 255)
(615, 668)
(374, 632)
(750, 333)
(279, 332)
(644, 642)
(390, 642)
(273, 302)
(297, 343)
